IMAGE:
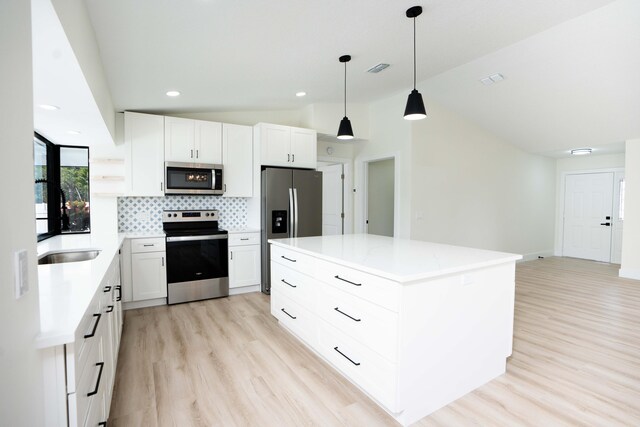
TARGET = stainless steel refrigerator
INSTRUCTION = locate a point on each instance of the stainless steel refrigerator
(291, 207)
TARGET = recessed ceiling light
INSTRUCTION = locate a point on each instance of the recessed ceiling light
(581, 151)
(74, 132)
(49, 107)
(173, 93)
(300, 94)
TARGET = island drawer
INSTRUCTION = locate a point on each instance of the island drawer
(92, 377)
(86, 336)
(296, 286)
(293, 259)
(365, 368)
(296, 318)
(369, 324)
(240, 239)
(151, 244)
(375, 289)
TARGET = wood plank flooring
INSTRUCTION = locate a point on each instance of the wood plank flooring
(226, 362)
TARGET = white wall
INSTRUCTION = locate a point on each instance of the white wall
(249, 118)
(20, 364)
(77, 25)
(630, 266)
(389, 136)
(471, 188)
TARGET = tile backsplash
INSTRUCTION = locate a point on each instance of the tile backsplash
(137, 214)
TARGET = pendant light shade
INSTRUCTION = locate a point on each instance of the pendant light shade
(345, 131)
(415, 106)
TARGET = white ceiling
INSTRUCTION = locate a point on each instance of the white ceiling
(254, 55)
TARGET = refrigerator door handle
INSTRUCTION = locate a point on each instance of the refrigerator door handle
(291, 214)
(295, 207)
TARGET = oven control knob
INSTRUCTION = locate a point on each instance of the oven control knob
(175, 215)
(169, 215)
(207, 214)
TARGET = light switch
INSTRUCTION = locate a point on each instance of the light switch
(21, 272)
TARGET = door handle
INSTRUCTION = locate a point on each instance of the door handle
(608, 224)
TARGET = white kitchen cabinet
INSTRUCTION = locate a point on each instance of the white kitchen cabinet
(287, 146)
(144, 136)
(244, 259)
(148, 269)
(237, 159)
(192, 141)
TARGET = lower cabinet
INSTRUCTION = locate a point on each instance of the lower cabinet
(244, 259)
(144, 272)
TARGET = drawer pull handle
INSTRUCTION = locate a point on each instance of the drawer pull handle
(95, 325)
(149, 245)
(109, 308)
(288, 259)
(285, 312)
(244, 238)
(284, 281)
(346, 357)
(348, 281)
(102, 424)
(107, 289)
(119, 289)
(95, 390)
(345, 314)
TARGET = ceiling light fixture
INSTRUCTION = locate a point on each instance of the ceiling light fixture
(345, 131)
(49, 107)
(581, 151)
(415, 106)
(173, 93)
(300, 94)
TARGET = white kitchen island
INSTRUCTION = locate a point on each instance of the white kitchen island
(414, 324)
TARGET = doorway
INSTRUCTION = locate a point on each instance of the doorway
(380, 193)
(588, 216)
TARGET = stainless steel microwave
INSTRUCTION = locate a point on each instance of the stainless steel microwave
(192, 178)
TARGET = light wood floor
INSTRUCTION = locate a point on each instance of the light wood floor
(226, 362)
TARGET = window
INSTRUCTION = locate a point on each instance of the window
(61, 176)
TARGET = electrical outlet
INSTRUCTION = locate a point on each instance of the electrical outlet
(21, 272)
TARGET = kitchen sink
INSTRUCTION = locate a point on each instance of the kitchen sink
(73, 256)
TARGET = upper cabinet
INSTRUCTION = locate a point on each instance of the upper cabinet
(192, 141)
(144, 136)
(287, 146)
(237, 159)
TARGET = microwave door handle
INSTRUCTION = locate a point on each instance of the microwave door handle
(295, 208)
(291, 223)
(213, 179)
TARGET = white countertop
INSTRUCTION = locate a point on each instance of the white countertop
(401, 260)
(144, 234)
(66, 289)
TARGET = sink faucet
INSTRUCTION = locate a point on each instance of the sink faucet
(65, 217)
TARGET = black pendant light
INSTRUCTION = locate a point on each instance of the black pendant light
(415, 106)
(345, 131)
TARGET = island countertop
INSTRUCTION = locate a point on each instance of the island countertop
(400, 260)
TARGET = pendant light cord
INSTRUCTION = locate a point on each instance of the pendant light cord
(345, 89)
(414, 53)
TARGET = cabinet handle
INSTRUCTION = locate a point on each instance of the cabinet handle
(162, 186)
(231, 252)
(163, 261)
(109, 308)
(288, 157)
(346, 357)
(102, 424)
(293, 158)
(119, 289)
(192, 154)
(345, 314)
(284, 281)
(225, 188)
(95, 390)
(348, 281)
(107, 289)
(151, 244)
(289, 259)
(244, 238)
(95, 325)
(197, 154)
(285, 312)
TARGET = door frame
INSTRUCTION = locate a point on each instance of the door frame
(616, 224)
(365, 190)
(347, 186)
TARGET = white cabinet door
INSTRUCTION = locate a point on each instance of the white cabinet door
(144, 135)
(208, 142)
(276, 145)
(148, 275)
(237, 159)
(304, 148)
(178, 139)
(244, 266)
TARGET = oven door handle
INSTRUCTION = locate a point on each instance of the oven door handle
(195, 238)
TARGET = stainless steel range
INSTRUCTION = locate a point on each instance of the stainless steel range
(197, 264)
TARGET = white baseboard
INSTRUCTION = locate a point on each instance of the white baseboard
(629, 273)
(244, 290)
(131, 305)
(535, 255)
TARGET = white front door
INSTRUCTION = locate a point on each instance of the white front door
(588, 212)
(332, 203)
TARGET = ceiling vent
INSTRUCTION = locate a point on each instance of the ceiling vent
(377, 68)
(494, 78)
